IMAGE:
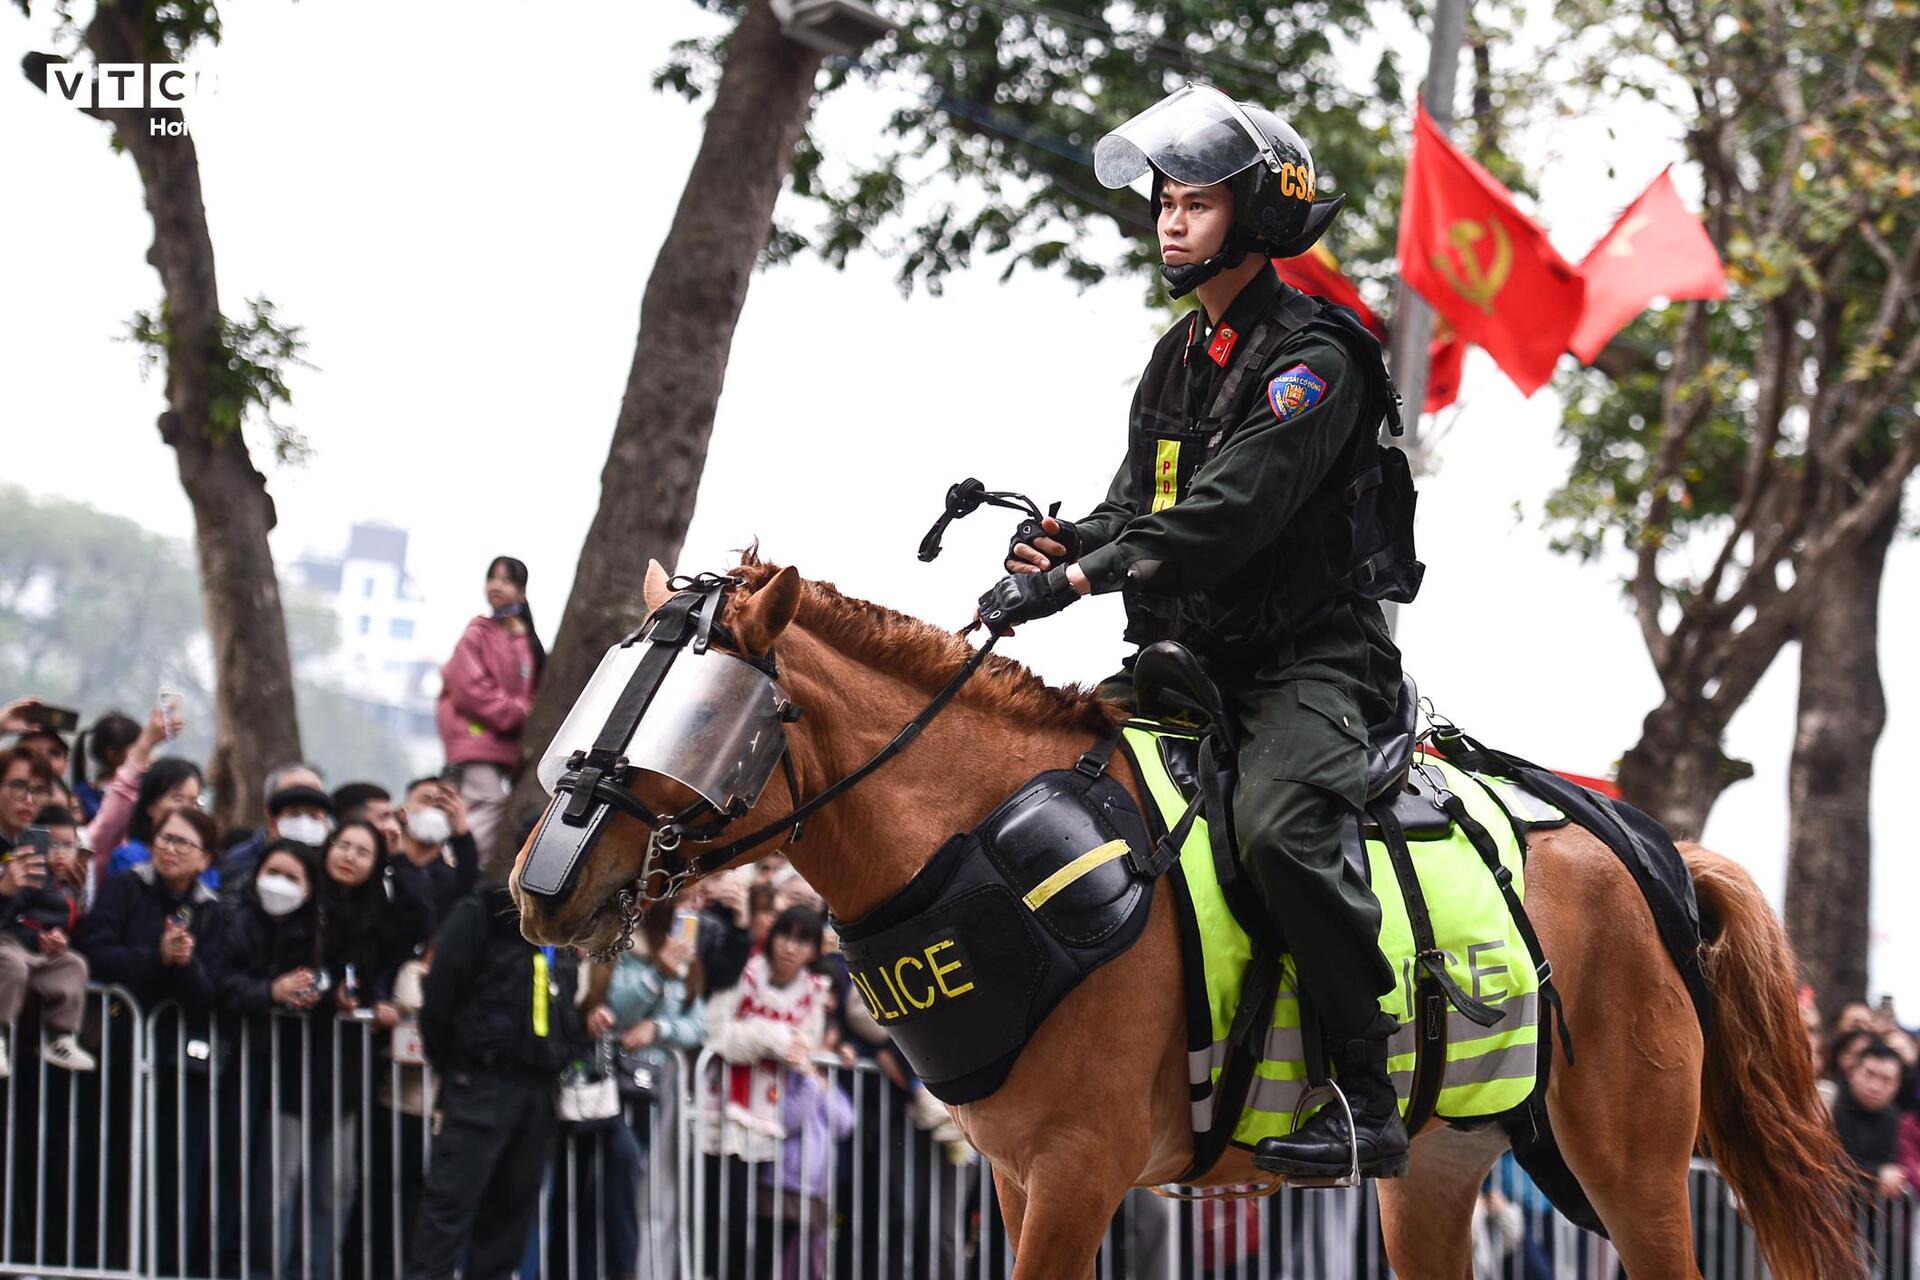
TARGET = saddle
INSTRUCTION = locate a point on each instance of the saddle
(1173, 688)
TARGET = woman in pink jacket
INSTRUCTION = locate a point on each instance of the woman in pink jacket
(487, 689)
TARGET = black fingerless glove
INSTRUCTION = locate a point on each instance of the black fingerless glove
(1023, 597)
(1029, 531)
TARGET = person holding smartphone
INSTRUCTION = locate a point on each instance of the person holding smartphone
(38, 916)
(25, 785)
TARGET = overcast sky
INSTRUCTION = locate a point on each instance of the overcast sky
(461, 202)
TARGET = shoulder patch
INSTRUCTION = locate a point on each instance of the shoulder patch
(1295, 391)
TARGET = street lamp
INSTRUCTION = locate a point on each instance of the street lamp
(837, 28)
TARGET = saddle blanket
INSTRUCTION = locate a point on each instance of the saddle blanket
(1486, 1070)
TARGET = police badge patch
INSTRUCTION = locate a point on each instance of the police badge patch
(1295, 391)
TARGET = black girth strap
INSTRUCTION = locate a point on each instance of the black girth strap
(1483, 844)
(1434, 987)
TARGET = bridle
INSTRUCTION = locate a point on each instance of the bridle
(597, 780)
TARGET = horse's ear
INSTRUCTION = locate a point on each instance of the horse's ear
(766, 613)
(657, 592)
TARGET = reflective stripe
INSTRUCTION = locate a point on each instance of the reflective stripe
(1515, 1062)
(1202, 1063)
(1203, 1113)
(1166, 474)
(1037, 896)
(1463, 1030)
(1284, 1044)
(1277, 1097)
(1520, 802)
(540, 991)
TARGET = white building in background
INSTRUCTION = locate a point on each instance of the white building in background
(381, 660)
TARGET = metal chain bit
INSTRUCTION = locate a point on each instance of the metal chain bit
(636, 897)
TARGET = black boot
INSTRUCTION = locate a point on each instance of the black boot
(1319, 1149)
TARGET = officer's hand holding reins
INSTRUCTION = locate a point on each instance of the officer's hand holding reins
(1038, 546)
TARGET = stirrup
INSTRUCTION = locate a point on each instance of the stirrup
(1352, 1176)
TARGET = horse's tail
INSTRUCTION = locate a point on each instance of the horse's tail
(1766, 1126)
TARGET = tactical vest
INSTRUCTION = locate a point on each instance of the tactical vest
(1351, 539)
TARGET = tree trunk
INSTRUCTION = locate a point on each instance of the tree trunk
(1841, 714)
(1677, 769)
(255, 724)
(687, 318)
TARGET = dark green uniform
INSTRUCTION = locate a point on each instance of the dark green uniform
(1216, 528)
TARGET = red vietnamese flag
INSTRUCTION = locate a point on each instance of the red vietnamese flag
(1656, 250)
(1316, 272)
(1481, 263)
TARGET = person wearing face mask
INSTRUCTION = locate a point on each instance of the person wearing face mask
(272, 940)
(294, 776)
(319, 923)
(487, 689)
(436, 862)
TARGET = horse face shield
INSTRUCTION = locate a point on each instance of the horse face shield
(662, 704)
(714, 725)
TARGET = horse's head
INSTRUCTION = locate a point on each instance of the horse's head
(696, 747)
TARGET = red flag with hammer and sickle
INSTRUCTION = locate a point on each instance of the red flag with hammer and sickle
(1656, 250)
(1484, 265)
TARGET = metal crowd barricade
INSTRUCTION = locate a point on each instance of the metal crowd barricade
(297, 1146)
(897, 1207)
(68, 1174)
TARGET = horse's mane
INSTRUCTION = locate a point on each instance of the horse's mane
(928, 657)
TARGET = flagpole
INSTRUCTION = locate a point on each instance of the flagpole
(1412, 319)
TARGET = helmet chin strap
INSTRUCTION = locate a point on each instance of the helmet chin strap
(1188, 276)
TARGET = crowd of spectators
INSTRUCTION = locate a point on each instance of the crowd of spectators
(353, 920)
(1869, 1076)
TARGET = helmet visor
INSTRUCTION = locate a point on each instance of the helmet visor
(1195, 135)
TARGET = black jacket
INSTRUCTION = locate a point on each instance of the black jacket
(426, 894)
(1226, 525)
(258, 949)
(121, 939)
(1872, 1138)
(31, 912)
(482, 1013)
(724, 948)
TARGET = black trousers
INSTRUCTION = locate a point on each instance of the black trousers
(1302, 776)
(483, 1190)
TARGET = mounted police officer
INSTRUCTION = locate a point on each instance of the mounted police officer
(1236, 525)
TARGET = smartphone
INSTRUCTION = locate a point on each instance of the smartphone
(57, 719)
(1886, 1004)
(34, 840)
(169, 703)
(687, 925)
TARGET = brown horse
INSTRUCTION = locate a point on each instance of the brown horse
(1098, 1102)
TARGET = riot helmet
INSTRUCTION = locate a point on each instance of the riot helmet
(1197, 136)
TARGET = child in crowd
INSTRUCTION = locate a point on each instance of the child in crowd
(40, 909)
